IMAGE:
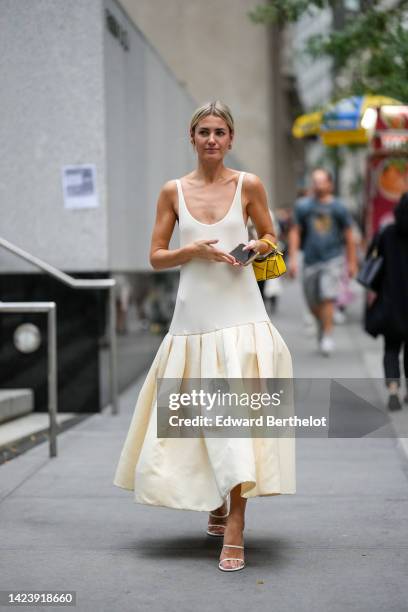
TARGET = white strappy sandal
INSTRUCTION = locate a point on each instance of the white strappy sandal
(211, 533)
(231, 569)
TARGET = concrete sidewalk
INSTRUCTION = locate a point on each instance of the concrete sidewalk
(340, 543)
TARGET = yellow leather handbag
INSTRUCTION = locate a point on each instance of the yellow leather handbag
(270, 265)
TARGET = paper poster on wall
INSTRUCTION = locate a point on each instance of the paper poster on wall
(79, 186)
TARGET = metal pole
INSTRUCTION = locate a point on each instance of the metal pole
(50, 308)
(52, 378)
(79, 283)
(113, 351)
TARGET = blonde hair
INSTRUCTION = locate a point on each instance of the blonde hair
(217, 108)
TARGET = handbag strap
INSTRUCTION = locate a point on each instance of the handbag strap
(274, 246)
(375, 243)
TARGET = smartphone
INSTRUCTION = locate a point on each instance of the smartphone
(245, 257)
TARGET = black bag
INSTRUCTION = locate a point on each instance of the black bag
(370, 272)
(375, 317)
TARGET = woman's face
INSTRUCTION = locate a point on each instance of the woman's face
(212, 138)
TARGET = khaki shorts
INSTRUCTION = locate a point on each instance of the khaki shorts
(321, 281)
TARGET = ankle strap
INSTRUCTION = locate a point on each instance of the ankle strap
(233, 546)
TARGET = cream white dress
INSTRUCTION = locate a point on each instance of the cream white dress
(220, 329)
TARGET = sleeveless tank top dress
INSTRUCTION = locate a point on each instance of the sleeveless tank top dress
(220, 328)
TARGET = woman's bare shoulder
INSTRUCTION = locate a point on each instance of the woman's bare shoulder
(252, 180)
(168, 197)
(252, 186)
(168, 192)
(169, 188)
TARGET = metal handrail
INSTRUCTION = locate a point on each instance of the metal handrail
(82, 283)
(51, 309)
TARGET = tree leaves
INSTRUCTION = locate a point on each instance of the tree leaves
(369, 50)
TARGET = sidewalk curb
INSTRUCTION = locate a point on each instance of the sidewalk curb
(13, 449)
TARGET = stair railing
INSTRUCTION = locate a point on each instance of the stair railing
(50, 307)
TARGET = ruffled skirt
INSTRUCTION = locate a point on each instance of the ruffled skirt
(198, 473)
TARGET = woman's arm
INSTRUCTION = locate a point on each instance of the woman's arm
(258, 211)
(161, 257)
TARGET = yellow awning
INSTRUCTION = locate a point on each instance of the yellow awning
(312, 124)
(307, 125)
(344, 137)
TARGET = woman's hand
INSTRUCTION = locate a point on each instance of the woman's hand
(252, 245)
(203, 249)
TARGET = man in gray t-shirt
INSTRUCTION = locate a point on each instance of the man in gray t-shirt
(323, 230)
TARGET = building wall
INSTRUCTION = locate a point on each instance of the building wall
(51, 74)
(314, 77)
(288, 153)
(71, 94)
(146, 143)
(215, 51)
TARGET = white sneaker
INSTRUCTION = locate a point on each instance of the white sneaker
(326, 345)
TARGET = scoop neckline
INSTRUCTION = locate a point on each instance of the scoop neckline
(220, 220)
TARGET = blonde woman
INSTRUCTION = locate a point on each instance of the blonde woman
(219, 329)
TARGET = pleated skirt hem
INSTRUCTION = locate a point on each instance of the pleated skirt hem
(198, 473)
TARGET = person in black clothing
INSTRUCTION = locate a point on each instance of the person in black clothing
(388, 314)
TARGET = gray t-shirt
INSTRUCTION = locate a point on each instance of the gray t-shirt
(322, 226)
